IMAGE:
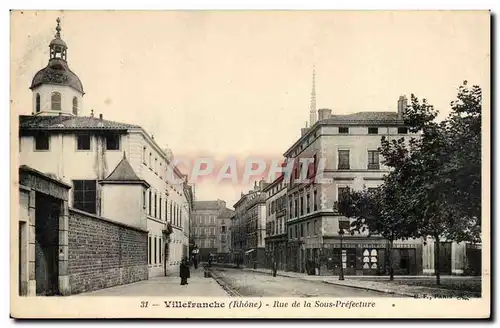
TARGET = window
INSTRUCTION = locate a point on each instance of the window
(308, 203)
(42, 141)
(372, 130)
(223, 229)
(144, 199)
(308, 230)
(150, 201)
(75, 106)
(144, 155)
(343, 130)
(83, 141)
(159, 210)
(150, 156)
(403, 130)
(155, 207)
(343, 160)
(84, 195)
(37, 104)
(373, 160)
(316, 200)
(149, 250)
(156, 250)
(113, 142)
(160, 247)
(296, 212)
(344, 225)
(156, 165)
(301, 204)
(342, 192)
(56, 101)
(166, 209)
(171, 213)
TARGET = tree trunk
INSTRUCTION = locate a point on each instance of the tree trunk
(436, 261)
(391, 262)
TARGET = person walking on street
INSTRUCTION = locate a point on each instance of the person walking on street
(195, 262)
(184, 271)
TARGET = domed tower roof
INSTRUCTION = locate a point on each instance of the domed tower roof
(57, 70)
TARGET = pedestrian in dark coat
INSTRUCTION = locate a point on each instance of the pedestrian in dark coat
(184, 271)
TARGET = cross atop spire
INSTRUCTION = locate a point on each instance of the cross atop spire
(312, 108)
(58, 28)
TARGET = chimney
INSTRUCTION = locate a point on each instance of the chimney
(324, 114)
(402, 103)
(100, 117)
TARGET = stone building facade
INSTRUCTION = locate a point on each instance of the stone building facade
(276, 232)
(211, 226)
(105, 162)
(249, 227)
(65, 251)
(344, 149)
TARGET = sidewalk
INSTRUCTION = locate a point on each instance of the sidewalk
(368, 283)
(166, 286)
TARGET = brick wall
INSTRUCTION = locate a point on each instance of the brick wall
(103, 253)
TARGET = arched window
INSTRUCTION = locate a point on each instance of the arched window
(37, 103)
(56, 101)
(75, 106)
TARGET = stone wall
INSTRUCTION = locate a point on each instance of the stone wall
(103, 253)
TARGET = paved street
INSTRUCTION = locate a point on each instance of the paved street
(255, 284)
(166, 286)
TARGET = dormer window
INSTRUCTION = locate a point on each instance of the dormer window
(56, 101)
(373, 130)
(75, 106)
(37, 103)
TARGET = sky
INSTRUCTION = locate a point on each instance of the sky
(237, 84)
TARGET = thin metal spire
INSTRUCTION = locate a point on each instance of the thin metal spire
(312, 109)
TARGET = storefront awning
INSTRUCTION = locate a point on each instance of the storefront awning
(249, 251)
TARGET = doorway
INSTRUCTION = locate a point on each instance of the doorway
(47, 245)
(445, 258)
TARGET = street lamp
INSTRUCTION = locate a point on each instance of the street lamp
(341, 234)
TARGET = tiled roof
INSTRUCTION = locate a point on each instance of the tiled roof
(124, 172)
(206, 205)
(365, 116)
(62, 122)
(227, 213)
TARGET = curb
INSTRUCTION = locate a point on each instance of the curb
(339, 284)
(231, 292)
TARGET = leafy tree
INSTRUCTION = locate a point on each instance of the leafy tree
(463, 170)
(436, 172)
(378, 213)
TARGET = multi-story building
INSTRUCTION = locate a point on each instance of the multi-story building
(249, 227)
(99, 157)
(346, 147)
(210, 224)
(276, 232)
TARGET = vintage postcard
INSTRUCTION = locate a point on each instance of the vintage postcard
(250, 164)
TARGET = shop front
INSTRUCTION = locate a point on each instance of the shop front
(370, 258)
